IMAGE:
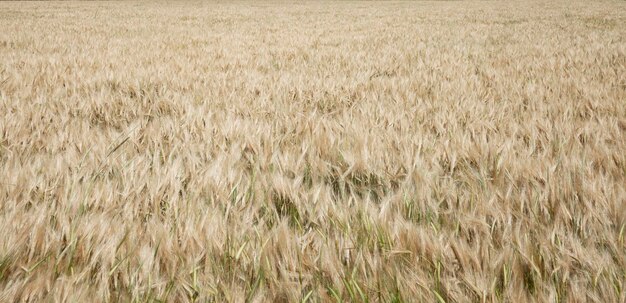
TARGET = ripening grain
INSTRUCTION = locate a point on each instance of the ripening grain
(313, 151)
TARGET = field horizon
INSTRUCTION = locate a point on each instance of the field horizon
(465, 151)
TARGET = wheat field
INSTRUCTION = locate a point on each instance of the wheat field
(313, 151)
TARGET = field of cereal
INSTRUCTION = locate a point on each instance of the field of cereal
(457, 151)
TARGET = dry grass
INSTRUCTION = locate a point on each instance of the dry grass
(352, 151)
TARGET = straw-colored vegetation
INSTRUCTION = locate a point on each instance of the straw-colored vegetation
(350, 151)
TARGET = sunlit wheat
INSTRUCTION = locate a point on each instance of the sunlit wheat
(313, 151)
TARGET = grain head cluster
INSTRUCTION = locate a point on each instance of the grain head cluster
(313, 151)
